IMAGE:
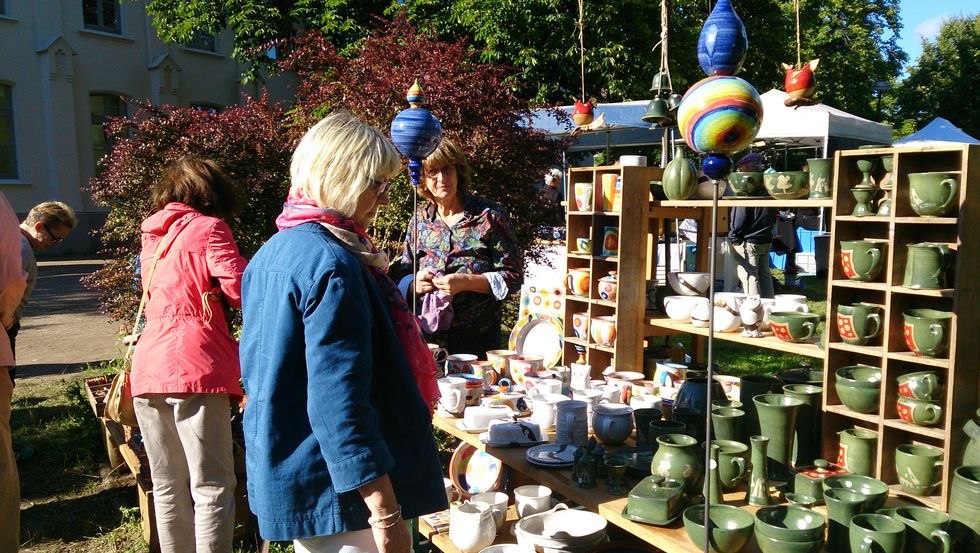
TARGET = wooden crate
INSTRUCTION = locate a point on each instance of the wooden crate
(96, 390)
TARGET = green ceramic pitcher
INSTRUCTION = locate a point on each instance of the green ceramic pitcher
(926, 265)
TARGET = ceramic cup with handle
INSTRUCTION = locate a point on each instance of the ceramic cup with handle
(453, 399)
(927, 331)
(861, 259)
(871, 532)
(932, 194)
(859, 323)
(926, 529)
(919, 411)
(460, 363)
(471, 526)
(920, 385)
(918, 467)
(532, 499)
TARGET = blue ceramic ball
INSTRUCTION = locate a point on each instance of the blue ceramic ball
(723, 42)
(717, 166)
(416, 132)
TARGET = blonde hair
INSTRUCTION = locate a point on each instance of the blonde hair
(336, 159)
(52, 213)
(448, 154)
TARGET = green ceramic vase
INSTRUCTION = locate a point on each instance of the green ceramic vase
(821, 176)
(777, 420)
(677, 458)
(680, 178)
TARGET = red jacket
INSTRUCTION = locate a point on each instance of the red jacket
(185, 346)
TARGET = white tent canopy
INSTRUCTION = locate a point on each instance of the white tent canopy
(815, 125)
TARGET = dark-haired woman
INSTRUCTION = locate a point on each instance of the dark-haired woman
(185, 366)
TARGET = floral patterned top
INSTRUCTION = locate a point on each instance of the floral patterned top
(481, 242)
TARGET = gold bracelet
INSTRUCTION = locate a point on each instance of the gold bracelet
(382, 523)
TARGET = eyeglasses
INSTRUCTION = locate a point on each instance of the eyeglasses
(55, 239)
(381, 186)
(433, 173)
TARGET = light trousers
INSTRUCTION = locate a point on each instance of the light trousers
(752, 267)
(187, 438)
(357, 541)
(9, 481)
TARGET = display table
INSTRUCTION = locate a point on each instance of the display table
(672, 538)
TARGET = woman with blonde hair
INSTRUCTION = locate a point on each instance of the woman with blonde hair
(185, 365)
(340, 383)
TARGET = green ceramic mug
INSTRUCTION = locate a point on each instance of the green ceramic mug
(918, 467)
(919, 411)
(932, 194)
(920, 385)
(861, 259)
(871, 532)
(925, 529)
(927, 331)
(793, 326)
(858, 323)
(926, 265)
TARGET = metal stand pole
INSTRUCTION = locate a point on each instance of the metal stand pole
(711, 362)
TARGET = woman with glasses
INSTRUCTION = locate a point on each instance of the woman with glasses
(185, 366)
(337, 426)
(465, 253)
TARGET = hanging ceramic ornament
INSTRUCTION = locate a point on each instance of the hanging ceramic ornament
(583, 112)
(720, 114)
(723, 42)
(800, 83)
(415, 132)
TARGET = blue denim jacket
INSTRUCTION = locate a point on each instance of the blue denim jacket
(331, 402)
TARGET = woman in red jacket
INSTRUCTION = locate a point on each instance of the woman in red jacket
(185, 366)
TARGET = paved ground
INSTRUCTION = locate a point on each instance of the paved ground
(62, 328)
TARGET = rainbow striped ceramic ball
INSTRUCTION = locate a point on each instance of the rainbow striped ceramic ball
(720, 114)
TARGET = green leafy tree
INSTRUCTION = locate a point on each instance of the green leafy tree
(945, 80)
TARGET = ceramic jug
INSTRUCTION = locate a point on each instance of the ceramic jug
(858, 450)
(680, 178)
(972, 454)
(926, 265)
(471, 527)
(678, 458)
(612, 423)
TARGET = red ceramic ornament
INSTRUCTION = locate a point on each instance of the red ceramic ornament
(582, 113)
(800, 83)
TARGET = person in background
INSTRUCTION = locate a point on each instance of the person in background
(185, 365)
(339, 445)
(551, 190)
(12, 283)
(47, 225)
(466, 250)
(750, 233)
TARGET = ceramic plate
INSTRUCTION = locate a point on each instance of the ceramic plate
(538, 335)
(475, 471)
(551, 455)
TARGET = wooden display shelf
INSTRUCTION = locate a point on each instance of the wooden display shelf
(927, 220)
(876, 351)
(810, 349)
(909, 357)
(931, 431)
(933, 501)
(940, 293)
(864, 219)
(730, 201)
(843, 283)
(873, 418)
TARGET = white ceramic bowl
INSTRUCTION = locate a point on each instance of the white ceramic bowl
(561, 530)
(679, 308)
(688, 283)
(633, 160)
(725, 320)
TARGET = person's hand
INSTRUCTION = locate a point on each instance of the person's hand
(453, 284)
(423, 281)
(395, 539)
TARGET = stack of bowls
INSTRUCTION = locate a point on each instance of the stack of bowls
(730, 527)
(875, 490)
(859, 387)
(789, 529)
(561, 530)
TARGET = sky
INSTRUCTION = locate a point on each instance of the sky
(922, 18)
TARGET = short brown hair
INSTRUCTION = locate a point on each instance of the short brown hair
(448, 153)
(52, 213)
(199, 183)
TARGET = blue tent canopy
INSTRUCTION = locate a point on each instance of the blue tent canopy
(938, 130)
(619, 124)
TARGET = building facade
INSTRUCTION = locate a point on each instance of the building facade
(64, 67)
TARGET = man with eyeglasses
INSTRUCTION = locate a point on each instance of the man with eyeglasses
(47, 225)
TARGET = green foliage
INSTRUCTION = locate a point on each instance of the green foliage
(944, 81)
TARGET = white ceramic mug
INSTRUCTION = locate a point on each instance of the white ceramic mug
(543, 409)
(532, 499)
(460, 363)
(791, 302)
(453, 390)
(522, 364)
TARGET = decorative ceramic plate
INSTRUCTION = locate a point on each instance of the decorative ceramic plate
(538, 335)
(551, 455)
(475, 471)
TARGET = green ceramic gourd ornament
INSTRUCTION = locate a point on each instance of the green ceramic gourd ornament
(680, 178)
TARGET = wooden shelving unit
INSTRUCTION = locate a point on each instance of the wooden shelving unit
(959, 369)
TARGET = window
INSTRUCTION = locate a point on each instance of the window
(103, 107)
(8, 147)
(3, 7)
(102, 15)
(202, 41)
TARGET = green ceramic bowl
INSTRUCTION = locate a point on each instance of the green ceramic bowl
(859, 387)
(772, 545)
(790, 523)
(731, 527)
(876, 490)
(787, 185)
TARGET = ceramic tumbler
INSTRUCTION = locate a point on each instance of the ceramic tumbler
(609, 191)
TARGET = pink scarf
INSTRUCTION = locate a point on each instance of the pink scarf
(299, 209)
